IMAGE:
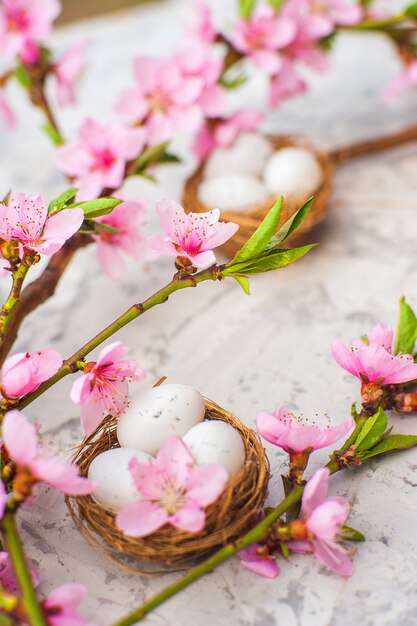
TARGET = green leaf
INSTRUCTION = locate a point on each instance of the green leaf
(350, 534)
(102, 227)
(53, 134)
(276, 4)
(22, 76)
(96, 208)
(285, 550)
(290, 225)
(407, 329)
(371, 432)
(244, 283)
(246, 7)
(354, 413)
(169, 157)
(58, 203)
(233, 83)
(272, 261)
(390, 444)
(261, 237)
(150, 155)
(411, 10)
(6, 198)
(6, 620)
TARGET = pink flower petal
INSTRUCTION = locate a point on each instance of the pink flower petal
(205, 483)
(141, 519)
(327, 518)
(20, 438)
(333, 557)
(316, 490)
(175, 460)
(189, 518)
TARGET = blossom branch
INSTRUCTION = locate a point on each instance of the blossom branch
(257, 533)
(39, 291)
(14, 546)
(19, 275)
(70, 365)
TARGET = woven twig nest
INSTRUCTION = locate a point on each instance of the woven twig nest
(227, 518)
(250, 218)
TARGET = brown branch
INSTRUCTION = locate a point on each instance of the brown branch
(40, 290)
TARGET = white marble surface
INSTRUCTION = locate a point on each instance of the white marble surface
(246, 353)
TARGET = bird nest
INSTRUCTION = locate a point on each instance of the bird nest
(250, 217)
(169, 548)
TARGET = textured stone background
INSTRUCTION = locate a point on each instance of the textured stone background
(246, 353)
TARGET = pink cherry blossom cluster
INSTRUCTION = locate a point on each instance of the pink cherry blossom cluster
(25, 25)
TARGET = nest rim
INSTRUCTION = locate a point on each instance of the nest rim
(250, 217)
(170, 549)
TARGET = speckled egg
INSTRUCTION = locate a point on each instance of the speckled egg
(214, 441)
(110, 470)
(151, 417)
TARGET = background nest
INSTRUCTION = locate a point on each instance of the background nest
(250, 218)
(227, 518)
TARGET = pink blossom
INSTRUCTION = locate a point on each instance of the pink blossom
(128, 218)
(163, 99)
(173, 490)
(224, 133)
(7, 576)
(97, 159)
(195, 62)
(293, 434)
(68, 70)
(324, 518)
(373, 362)
(319, 17)
(22, 373)
(103, 388)
(201, 24)
(6, 112)
(285, 83)
(262, 36)
(21, 442)
(253, 559)
(407, 78)
(382, 335)
(23, 24)
(3, 499)
(193, 235)
(25, 219)
(61, 605)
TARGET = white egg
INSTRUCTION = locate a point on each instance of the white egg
(153, 416)
(232, 192)
(293, 172)
(214, 441)
(247, 155)
(110, 470)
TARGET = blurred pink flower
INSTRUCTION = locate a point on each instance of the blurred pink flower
(68, 70)
(192, 235)
(285, 83)
(128, 218)
(97, 159)
(103, 388)
(21, 442)
(6, 112)
(374, 363)
(61, 605)
(7, 576)
(201, 24)
(173, 490)
(164, 100)
(224, 133)
(195, 61)
(23, 24)
(318, 18)
(3, 499)
(382, 335)
(407, 78)
(292, 433)
(22, 373)
(253, 559)
(25, 219)
(262, 37)
(324, 518)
